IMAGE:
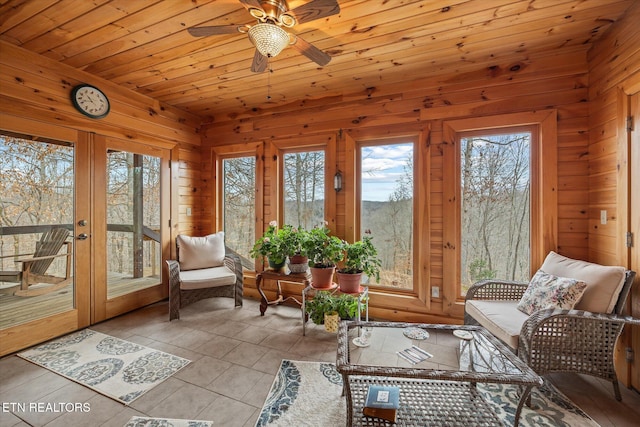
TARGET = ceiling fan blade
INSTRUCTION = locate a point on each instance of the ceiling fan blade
(259, 63)
(315, 9)
(251, 3)
(212, 31)
(311, 52)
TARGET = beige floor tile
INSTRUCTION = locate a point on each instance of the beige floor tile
(236, 382)
(185, 403)
(227, 412)
(203, 371)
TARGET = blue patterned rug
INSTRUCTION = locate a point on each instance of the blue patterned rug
(310, 394)
(165, 422)
(119, 369)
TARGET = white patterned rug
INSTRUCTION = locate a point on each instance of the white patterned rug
(310, 394)
(165, 422)
(119, 369)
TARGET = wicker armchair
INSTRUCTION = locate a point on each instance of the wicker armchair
(555, 340)
(204, 269)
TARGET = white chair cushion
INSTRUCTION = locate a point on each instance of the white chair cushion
(206, 278)
(201, 252)
(604, 283)
(548, 291)
(501, 318)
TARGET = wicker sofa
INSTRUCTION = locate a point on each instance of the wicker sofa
(579, 340)
(203, 270)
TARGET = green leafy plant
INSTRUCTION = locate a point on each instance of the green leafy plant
(325, 302)
(292, 239)
(362, 257)
(322, 249)
(271, 245)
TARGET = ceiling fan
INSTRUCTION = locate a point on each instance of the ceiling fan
(269, 36)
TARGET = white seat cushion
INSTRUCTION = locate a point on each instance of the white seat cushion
(501, 318)
(604, 282)
(206, 278)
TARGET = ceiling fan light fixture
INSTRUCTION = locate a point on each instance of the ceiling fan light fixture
(269, 39)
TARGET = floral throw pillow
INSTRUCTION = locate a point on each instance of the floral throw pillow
(548, 291)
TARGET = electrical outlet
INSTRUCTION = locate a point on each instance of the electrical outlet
(435, 292)
(188, 211)
(603, 217)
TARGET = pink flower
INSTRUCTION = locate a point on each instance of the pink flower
(273, 223)
(266, 239)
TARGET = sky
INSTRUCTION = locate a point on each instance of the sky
(382, 166)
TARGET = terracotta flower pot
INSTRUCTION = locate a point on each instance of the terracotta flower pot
(298, 264)
(322, 278)
(349, 283)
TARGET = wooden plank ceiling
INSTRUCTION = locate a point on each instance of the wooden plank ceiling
(144, 44)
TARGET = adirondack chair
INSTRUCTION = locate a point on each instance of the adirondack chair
(35, 267)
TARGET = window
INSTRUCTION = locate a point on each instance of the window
(37, 188)
(386, 176)
(304, 188)
(239, 201)
(538, 176)
(495, 207)
(133, 222)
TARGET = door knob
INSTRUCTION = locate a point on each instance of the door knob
(82, 236)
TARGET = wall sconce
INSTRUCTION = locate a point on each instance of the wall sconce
(337, 181)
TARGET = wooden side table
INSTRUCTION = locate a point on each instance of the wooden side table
(304, 278)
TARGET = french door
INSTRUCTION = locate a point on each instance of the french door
(130, 225)
(44, 190)
(634, 226)
(110, 200)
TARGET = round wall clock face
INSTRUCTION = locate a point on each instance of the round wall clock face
(90, 101)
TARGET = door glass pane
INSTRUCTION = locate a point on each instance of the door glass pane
(304, 189)
(133, 222)
(36, 219)
(386, 209)
(239, 201)
(494, 207)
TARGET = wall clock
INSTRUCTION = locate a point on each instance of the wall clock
(90, 101)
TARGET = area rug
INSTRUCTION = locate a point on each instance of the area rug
(119, 369)
(165, 422)
(310, 394)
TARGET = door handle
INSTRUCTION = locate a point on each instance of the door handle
(82, 236)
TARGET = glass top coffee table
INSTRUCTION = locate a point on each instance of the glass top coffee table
(436, 368)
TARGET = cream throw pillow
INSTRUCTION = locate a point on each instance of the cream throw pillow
(549, 291)
(604, 282)
(201, 252)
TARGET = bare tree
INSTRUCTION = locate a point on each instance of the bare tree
(495, 207)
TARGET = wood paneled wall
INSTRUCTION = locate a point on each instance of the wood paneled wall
(533, 83)
(614, 72)
(35, 87)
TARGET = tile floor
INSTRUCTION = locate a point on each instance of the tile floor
(235, 354)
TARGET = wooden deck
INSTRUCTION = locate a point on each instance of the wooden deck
(16, 310)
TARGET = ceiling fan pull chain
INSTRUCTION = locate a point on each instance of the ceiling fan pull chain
(269, 71)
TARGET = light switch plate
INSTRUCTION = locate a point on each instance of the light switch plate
(435, 292)
(603, 217)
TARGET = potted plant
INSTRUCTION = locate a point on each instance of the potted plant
(327, 308)
(361, 257)
(272, 246)
(323, 251)
(293, 239)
